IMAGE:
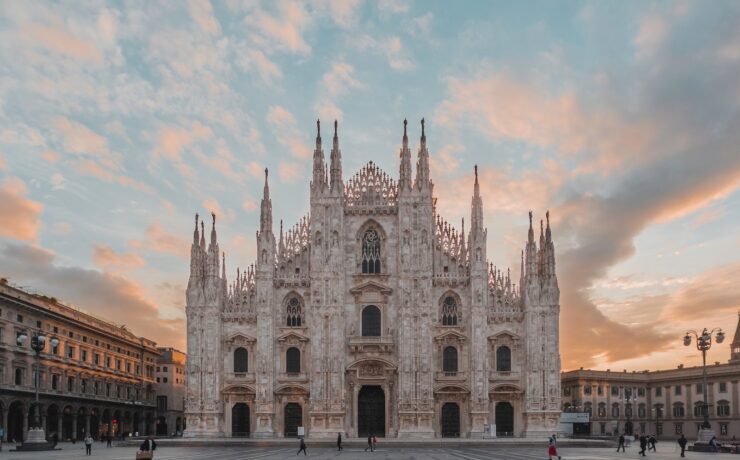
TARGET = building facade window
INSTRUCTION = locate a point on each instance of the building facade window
(723, 387)
(162, 403)
(723, 408)
(641, 392)
(641, 411)
(659, 391)
(588, 409)
(677, 390)
(602, 410)
(449, 360)
(54, 382)
(698, 409)
(679, 428)
(371, 252)
(371, 321)
(599, 390)
(587, 389)
(241, 360)
(293, 312)
(503, 359)
(70, 384)
(659, 428)
(699, 388)
(19, 376)
(615, 391)
(615, 410)
(293, 361)
(723, 429)
(449, 311)
(678, 410)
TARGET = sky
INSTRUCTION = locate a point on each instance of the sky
(119, 121)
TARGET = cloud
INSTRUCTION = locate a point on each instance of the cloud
(254, 59)
(92, 168)
(289, 172)
(58, 182)
(420, 25)
(390, 47)
(344, 13)
(202, 13)
(22, 215)
(173, 140)
(212, 205)
(3, 163)
(250, 205)
(281, 32)
(392, 6)
(158, 239)
(106, 258)
(60, 41)
(283, 125)
(340, 79)
(78, 138)
(110, 297)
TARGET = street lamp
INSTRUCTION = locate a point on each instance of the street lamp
(36, 438)
(703, 344)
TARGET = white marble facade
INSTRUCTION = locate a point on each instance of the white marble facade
(372, 314)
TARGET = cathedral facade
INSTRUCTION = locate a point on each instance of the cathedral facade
(372, 315)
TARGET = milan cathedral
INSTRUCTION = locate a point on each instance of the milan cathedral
(372, 315)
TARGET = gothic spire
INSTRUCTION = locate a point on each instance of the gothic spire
(548, 232)
(422, 164)
(735, 345)
(404, 182)
(266, 208)
(476, 209)
(336, 164)
(213, 228)
(319, 166)
(195, 233)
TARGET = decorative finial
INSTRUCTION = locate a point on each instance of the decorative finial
(318, 127)
(422, 128)
(404, 127)
(265, 174)
(213, 214)
(530, 219)
(196, 221)
(542, 228)
(335, 128)
(547, 216)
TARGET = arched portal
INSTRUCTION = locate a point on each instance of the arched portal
(450, 420)
(94, 424)
(81, 424)
(15, 422)
(52, 419)
(137, 422)
(239, 420)
(504, 419)
(67, 417)
(371, 411)
(106, 426)
(292, 419)
(628, 428)
(161, 426)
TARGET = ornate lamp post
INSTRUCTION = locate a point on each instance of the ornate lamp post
(703, 344)
(36, 438)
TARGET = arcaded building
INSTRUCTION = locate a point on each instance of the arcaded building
(372, 315)
(99, 378)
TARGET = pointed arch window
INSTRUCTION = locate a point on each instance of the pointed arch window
(371, 252)
(293, 312)
(449, 360)
(293, 361)
(503, 359)
(449, 311)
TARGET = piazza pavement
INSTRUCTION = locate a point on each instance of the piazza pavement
(77, 451)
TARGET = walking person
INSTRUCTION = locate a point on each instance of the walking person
(369, 443)
(552, 449)
(302, 447)
(339, 441)
(651, 442)
(88, 444)
(108, 440)
(621, 442)
(643, 445)
(682, 442)
(375, 442)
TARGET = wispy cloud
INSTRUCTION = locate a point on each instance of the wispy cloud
(22, 221)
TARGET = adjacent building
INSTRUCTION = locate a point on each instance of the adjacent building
(170, 374)
(99, 378)
(667, 403)
(372, 315)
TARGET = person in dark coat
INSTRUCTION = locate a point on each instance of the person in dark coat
(339, 441)
(108, 439)
(651, 442)
(369, 443)
(303, 447)
(148, 445)
(621, 442)
(643, 445)
(682, 442)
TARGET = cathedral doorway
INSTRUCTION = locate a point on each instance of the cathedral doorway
(15, 422)
(450, 420)
(239, 420)
(504, 419)
(371, 411)
(628, 428)
(292, 418)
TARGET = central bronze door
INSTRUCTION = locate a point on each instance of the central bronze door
(371, 411)
(293, 416)
(450, 420)
(240, 420)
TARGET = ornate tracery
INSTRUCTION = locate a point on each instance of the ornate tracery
(371, 251)
(449, 311)
(293, 312)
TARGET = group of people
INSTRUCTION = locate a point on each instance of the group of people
(647, 442)
(372, 441)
